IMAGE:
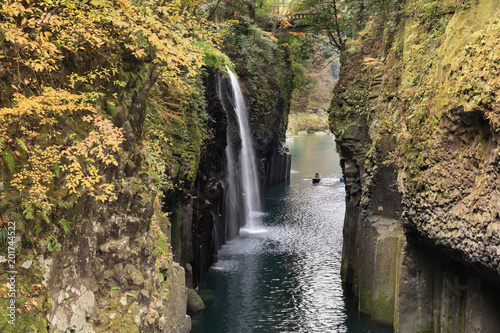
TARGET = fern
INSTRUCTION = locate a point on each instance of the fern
(65, 225)
(22, 145)
(29, 212)
(8, 158)
(53, 244)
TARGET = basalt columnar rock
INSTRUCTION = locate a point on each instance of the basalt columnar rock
(266, 88)
(267, 83)
(415, 116)
(111, 279)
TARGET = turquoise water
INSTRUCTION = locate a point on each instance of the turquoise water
(283, 274)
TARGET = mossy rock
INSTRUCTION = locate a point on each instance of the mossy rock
(31, 301)
(194, 302)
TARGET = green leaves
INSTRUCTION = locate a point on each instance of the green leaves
(65, 225)
(22, 145)
(57, 170)
(8, 158)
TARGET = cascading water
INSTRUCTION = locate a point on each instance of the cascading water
(232, 199)
(246, 167)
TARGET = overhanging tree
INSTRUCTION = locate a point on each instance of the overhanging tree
(324, 17)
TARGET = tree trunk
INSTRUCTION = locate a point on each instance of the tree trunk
(251, 9)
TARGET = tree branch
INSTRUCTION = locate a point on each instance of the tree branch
(213, 10)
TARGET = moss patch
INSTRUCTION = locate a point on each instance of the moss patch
(31, 299)
(366, 300)
(383, 310)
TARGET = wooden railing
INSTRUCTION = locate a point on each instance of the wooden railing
(298, 16)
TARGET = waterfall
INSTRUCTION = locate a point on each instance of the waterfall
(243, 169)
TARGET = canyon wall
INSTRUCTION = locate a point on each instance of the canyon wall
(265, 79)
(415, 118)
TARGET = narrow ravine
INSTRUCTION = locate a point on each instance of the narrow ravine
(284, 275)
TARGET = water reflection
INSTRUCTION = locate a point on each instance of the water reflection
(284, 274)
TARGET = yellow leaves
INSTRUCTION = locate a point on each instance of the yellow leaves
(268, 34)
(78, 163)
(42, 35)
(39, 110)
(13, 9)
(139, 53)
(284, 22)
(36, 65)
(35, 179)
(369, 62)
(94, 77)
(96, 149)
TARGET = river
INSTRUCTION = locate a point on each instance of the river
(283, 274)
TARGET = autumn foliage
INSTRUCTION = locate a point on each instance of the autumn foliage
(64, 67)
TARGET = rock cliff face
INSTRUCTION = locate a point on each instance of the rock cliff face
(267, 83)
(210, 184)
(115, 270)
(415, 118)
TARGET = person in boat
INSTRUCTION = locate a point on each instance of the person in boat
(316, 179)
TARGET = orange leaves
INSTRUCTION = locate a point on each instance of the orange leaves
(268, 34)
(285, 22)
(102, 142)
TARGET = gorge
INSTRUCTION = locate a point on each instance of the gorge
(121, 180)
